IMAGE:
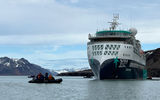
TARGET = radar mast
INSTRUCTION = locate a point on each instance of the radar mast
(114, 23)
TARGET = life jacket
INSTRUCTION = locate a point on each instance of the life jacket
(50, 77)
(39, 76)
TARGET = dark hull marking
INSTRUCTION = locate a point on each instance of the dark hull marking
(108, 70)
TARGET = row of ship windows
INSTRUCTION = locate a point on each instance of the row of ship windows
(97, 47)
(95, 53)
(107, 47)
(112, 47)
(128, 47)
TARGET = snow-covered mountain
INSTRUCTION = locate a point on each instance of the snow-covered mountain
(69, 64)
(10, 66)
(70, 70)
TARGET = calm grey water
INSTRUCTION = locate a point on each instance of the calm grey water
(78, 88)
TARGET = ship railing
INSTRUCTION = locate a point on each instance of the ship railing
(90, 36)
(123, 42)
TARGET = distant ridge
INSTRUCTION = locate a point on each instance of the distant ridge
(153, 62)
(9, 66)
(87, 72)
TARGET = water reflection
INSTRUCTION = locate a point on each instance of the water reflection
(122, 90)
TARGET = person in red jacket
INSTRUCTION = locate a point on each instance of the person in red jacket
(40, 76)
(51, 77)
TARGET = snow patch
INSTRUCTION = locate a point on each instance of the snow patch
(14, 59)
(17, 65)
(61, 71)
(7, 64)
(150, 53)
(23, 62)
(70, 70)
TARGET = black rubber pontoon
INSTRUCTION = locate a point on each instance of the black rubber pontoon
(46, 81)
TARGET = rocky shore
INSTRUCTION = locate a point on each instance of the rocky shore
(153, 62)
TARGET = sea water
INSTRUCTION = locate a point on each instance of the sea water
(79, 88)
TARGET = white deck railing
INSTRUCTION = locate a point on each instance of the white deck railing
(109, 36)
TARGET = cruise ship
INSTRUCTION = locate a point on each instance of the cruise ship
(116, 54)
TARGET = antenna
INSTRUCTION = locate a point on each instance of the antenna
(114, 23)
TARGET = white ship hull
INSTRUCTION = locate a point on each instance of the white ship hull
(101, 57)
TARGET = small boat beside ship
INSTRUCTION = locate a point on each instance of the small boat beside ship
(46, 81)
(40, 78)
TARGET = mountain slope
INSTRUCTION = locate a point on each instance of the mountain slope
(153, 62)
(21, 66)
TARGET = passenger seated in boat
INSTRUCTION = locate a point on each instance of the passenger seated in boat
(40, 76)
(51, 77)
(46, 76)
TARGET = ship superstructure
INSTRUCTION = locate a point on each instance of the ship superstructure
(116, 54)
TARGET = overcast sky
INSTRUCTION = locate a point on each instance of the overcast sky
(41, 30)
